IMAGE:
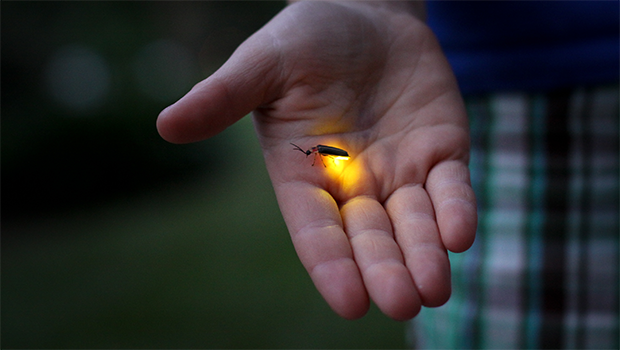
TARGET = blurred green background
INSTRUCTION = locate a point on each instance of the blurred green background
(113, 238)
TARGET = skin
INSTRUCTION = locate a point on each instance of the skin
(371, 80)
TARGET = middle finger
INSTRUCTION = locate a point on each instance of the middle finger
(379, 258)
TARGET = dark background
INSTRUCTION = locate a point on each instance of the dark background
(112, 237)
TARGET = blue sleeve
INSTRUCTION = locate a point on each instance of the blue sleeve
(506, 45)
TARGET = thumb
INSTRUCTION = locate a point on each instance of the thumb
(233, 91)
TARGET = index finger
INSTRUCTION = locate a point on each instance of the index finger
(313, 219)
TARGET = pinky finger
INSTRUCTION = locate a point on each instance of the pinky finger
(449, 188)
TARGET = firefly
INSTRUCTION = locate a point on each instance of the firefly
(322, 150)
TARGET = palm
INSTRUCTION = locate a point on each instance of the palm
(379, 224)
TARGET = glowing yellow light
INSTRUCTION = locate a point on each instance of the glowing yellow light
(353, 177)
(338, 159)
(335, 166)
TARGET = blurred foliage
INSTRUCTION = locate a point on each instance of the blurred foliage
(113, 238)
(55, 157)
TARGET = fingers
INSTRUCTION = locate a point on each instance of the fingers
(379, 258)
(232, 92)
(453, 198)
(313, 219)
(417, 235)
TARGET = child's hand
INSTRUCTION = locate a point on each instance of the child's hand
(375, 83)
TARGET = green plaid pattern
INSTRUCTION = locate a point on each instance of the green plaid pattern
(543, 272)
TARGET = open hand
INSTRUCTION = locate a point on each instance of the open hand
(375, 83)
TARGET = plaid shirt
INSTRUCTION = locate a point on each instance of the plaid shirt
(543, 272)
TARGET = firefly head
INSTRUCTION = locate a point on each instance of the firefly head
(307, 153)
